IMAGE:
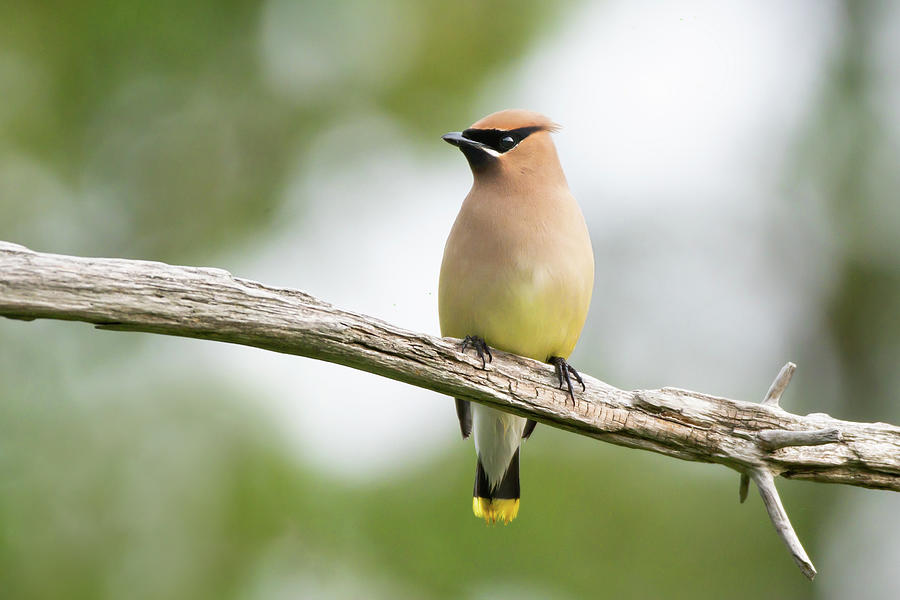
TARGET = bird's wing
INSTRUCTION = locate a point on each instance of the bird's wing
(529, 427)
(464, 414)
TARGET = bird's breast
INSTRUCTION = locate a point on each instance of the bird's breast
(523, 287)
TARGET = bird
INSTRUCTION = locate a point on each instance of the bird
(517, 275)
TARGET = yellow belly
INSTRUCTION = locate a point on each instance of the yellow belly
(536, 312)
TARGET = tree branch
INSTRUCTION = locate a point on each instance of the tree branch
(758, 440)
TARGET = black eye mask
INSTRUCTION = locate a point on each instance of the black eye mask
(500, 140)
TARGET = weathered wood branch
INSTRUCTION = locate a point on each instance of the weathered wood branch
(758, 440)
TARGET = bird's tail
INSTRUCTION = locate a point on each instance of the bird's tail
(502, 502)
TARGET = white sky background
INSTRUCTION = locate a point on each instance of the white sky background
(677, 119)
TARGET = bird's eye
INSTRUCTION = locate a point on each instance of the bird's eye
(507, 143)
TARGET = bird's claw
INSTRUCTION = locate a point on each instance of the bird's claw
(564, 372)
(480, 346)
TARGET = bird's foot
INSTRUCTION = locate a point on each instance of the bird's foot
(480, 346)
(564, 371)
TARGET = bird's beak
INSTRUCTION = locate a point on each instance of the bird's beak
(458, 139)
(476, 152)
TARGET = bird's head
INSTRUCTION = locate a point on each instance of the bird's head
(509, 141)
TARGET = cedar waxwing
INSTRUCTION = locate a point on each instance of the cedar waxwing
(517, 275)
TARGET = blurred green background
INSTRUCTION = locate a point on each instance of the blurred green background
(737, 164)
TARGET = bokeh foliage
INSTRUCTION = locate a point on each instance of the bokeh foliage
(175, 122)
(166, 130)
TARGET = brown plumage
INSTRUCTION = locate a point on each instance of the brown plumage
(517, 272)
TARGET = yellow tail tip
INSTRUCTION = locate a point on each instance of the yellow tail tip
(497, 510)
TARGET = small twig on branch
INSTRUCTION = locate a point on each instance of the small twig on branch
(772, 439)
(757, 440)
(744, 488)
(773, 396)
(766, 485)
